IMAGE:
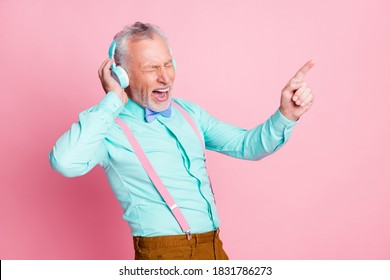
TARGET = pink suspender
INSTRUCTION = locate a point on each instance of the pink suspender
(189, 120)
(152, 173)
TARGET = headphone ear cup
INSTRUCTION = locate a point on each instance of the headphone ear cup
(120, 75)
(173, 59)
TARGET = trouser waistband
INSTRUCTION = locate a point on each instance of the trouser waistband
(175, 240)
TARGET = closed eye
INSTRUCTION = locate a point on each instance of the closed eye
(155, 68)
(150, 68)
(169, 63)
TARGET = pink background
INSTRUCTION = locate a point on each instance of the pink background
(325, 195)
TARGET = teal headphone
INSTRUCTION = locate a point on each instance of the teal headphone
(120, 74)
(117, 72)
(173, 60)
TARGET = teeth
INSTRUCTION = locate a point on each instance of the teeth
(162, 90)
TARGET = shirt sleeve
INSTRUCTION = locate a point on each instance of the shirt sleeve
(252, 144)
(82, 147)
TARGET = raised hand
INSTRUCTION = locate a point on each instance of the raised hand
(109, 83)
(297, 98)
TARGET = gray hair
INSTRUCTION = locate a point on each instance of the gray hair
(137, 31)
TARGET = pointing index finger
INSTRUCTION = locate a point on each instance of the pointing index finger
(304, 69)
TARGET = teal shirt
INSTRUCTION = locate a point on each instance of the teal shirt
(173, 149)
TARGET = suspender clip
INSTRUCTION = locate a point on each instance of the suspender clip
(189, 235)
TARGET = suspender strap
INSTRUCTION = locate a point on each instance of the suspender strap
(190, 121)
(155, 179)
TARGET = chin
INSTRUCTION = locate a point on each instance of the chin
(159, 106)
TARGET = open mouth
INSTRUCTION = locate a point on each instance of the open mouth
(161, 94)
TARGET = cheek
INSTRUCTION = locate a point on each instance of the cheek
(140, 83)
(149, 83)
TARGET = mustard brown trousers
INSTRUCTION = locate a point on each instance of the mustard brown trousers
(203, 246)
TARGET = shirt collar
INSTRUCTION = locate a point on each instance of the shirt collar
(133, 108)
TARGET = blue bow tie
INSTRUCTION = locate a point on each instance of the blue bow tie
(151, 115)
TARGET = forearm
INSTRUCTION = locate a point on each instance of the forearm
(79, 149)
(268, 137)
(253, 144)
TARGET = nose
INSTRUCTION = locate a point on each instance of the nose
(164, 75)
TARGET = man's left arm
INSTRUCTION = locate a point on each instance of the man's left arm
(268, 137)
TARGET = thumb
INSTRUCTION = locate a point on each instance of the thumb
(292, 86)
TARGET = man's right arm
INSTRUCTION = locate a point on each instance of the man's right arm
(79, 149)
(82, 146)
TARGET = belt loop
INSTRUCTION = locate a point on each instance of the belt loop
(136, 241)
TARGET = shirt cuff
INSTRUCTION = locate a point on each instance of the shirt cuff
(282, 123)
(111, 104)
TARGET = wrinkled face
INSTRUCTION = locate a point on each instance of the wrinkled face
(151, 72)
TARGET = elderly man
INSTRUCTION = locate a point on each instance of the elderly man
(151, 146)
